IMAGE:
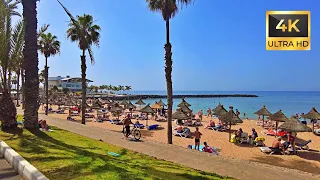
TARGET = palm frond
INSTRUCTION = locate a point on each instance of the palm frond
(43, 29)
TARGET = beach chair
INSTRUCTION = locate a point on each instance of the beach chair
(219, 128)
(153, 127)
(244, 138)
(116, 122)
(303, 146)
(74, 113)
(270, 150)
(140, 126)
(184, 134)
(60, 111)
(89, 116)
(188, 123)
(197, 122)
(317, 132)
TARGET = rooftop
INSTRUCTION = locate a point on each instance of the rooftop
(68, 78)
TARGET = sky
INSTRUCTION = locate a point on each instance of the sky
(217, 45)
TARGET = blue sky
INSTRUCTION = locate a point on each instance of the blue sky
(217, 45)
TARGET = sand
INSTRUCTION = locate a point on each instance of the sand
(307, 161)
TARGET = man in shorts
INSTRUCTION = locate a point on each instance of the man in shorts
(197, 136)
(127, 121)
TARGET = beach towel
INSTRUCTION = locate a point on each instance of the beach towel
(214, 150)
(153, 127)
(265, 149)
(114, 154)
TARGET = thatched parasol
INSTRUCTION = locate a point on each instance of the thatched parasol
(230, 118)
(294, 125)
(140, 102)
(107, 101)
(124, 102)
(180, 115)
(161, 103)
(185, 109)
(278, 117)
(264, 112)
(219, 110)
(147, 109)
(184, 102)
(156, 106)
(313, 115)
(130, 106)
(116, 109)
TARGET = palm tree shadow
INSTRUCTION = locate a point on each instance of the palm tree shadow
(116, 165)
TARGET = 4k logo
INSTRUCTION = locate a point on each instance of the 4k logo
(288, 30)
(291, 25)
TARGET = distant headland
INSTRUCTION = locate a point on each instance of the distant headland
(137, 96)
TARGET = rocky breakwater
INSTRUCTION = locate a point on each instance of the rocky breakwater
(134, 97)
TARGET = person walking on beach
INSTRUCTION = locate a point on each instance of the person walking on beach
(200, 114)
(197, 136)
(209, 112)
(302, 119)
(237, 112)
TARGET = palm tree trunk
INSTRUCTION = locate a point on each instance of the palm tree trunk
(18, 87)
(9, 80)
(168, 71)
(8, 111)
(31, 61)
(46, 86)
(84, 87)
(22, 87)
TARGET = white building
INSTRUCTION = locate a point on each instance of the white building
(74, 84)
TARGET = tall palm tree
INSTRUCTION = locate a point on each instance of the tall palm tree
(168, 9)
(85, 32)
(48, 46)
(30, 64)
(11, 43)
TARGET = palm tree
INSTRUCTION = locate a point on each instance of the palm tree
(30, 64)
(168, 9)
(85, 32)
(48, 46)
(11, 43)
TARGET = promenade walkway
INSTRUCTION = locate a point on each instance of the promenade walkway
(201, 161)
(6, 171)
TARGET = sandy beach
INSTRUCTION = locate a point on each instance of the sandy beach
(307, 161)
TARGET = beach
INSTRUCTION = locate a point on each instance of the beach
(307, 161)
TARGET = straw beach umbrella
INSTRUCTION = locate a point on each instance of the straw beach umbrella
(140, 103)
(313, 115)
(116, 109)
(294, 125)
(147, 109)
(161, 103)
(180, 115)
(124, 102)
(278, 117)
(264, 112)
(219, 111)
(185, 109)
(230, 118)
(156, 106)
(184, 102)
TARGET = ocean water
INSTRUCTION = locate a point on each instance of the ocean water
(290, 102)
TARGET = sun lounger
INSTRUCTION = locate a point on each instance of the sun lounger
(116, 121)
(270, 150)
(219, 128)
(317, 132)
(89, 116)
(153, 127)
(74, 113)
(140, 126)
(303, 146)
(60, 111)
(184, 134)
(272, 132)
(244, 138)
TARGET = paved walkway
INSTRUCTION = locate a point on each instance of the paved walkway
(203, 161)
(6, 171)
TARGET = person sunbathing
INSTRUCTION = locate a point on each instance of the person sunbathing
(179, 129)
(277, 145)
(206, 148)
(211, 124)
(43, 124)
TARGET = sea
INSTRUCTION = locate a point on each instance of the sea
(290, 102)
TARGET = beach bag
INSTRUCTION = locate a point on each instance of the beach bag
(233, 139)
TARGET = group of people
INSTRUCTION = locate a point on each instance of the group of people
(281, 147)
